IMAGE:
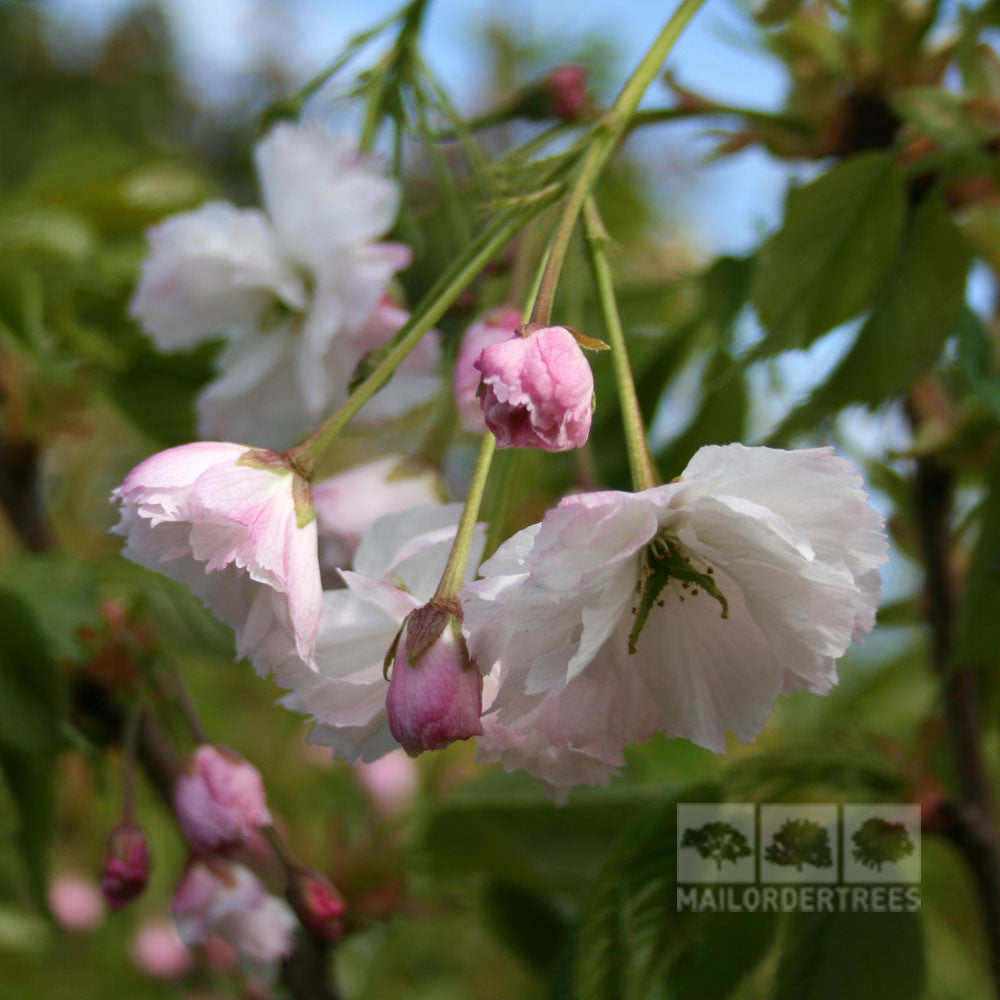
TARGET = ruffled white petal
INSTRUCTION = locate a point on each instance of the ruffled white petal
(211, 272)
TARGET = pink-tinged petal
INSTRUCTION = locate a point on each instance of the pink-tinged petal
(348, 504)
(230, 533)
(538, 391)
(496, 326)
(210, 272)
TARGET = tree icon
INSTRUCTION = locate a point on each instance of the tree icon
(719, 841)
(878, 840)
(800, 842)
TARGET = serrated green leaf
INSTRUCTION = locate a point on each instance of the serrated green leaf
(912, 319)
(864, 956)
(631, 930)
(832, 252)
(725, 948)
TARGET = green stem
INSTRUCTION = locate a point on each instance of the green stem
(434, 305)
(453, 578)
(506, 466)
(605, 138)
(644, 475)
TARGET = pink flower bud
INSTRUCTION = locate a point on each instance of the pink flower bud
(158, 951)
(219, 800)
(319, 905)
(538, 391)
(76, 903)
(126, 865)
(496, 326)
(568, 90)
(436, 692)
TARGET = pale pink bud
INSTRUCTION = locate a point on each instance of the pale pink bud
(435, 693)
(538, 391)
(496, 326)
(319, 905)
(391, 781)
(126, 865)
(158, 951)
(76, 903)
(219, 800)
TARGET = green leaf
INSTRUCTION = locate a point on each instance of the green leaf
(864, 956)
(61, 592)
(724, 949)
(832, 252)
(631, 930)
(30, 778)
(775, 11)
(504, 826)
(157, 391)
(526, 921)
(32, 693)
(975, 361)
(978, 635)
(912, 319)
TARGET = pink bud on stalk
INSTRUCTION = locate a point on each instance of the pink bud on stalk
(319, 904)
(126, 865)
(538, 391)
(219, 800)
(562, 93)
(435, 692)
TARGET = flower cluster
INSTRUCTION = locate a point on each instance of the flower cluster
(685, 608)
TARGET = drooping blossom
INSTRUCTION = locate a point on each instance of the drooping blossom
(692, 606)
(76, 903)
(218, 897)
(126, 865)
(294, 289)
(349, 503)
(219, 800)
(233, 525)
(496, 326)
(158, 951)
(435, 692)
(396, 570)
(538, 391)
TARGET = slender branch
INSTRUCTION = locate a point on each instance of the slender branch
(640, 461)
(605, 138)
(430, 310)
(973, 828)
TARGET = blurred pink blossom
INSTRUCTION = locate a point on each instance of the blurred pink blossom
(158, 951)
(76, 902)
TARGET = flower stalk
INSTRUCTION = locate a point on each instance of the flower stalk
(640, 461)
(606, 137)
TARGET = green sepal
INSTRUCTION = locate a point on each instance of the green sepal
(302, 497)
(423, 628)
(663, 567)
(265, 458)
(588, 343)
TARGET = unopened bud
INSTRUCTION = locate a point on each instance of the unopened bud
(219, 800)
(126, 865)
(563, 93)
(435, 693)
(319, 904)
